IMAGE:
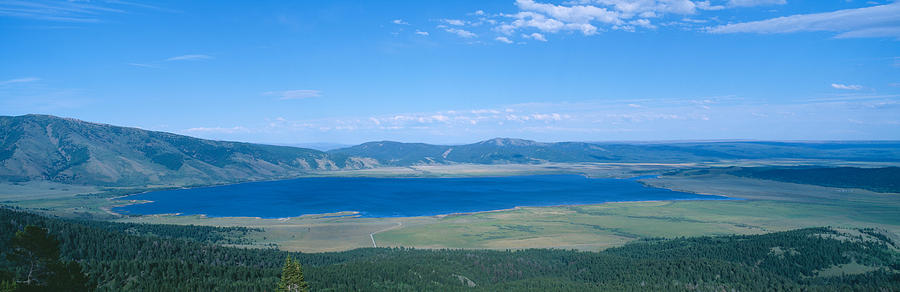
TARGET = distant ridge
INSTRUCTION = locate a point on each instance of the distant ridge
(322, 146)
(42, 147)
(510, 150)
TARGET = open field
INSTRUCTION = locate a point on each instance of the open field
(766, 206)
(310, 233)
(613, 170)
(770, 206)
(40, 190)
(605, 225)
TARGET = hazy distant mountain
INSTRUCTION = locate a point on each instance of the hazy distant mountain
(498, 150)
(506, 150)
(321, 146)
(69, 150)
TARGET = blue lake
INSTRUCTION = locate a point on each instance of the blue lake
(397, 197)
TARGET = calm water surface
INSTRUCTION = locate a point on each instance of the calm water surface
(397, 197)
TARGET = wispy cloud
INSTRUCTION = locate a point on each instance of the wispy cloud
(724, 117)
(750, 3)
(143, 65)
(68, 11)
(461, 32)
(591, 17)
(535, 36)
(19, 80)
(874, 21)
(295, 94)
(503, 40)
(846, 86)
(422, 33)
(182, 58)
(585, 16)
(455, 22)
(63, 11)
(399, 22)
(194, 57)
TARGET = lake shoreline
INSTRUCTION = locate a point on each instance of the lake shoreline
(469, 192)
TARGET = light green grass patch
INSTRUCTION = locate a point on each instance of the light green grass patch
(852, 268)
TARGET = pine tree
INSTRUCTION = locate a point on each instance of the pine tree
(292, 277)
(38, 251)
(35, 250)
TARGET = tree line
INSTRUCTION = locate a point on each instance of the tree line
(104, 256)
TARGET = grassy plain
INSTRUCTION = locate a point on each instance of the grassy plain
(309, 233)
(764, 206)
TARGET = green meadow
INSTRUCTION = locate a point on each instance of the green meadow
(760, 206)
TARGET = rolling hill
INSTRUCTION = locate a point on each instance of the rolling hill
(40, 147)
(507, 150)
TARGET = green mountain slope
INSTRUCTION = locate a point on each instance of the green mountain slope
(39, 147)
(506, 150)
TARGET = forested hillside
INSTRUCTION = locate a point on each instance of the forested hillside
(140, 257)
(39, 147)
(506, 150)
(885, 179)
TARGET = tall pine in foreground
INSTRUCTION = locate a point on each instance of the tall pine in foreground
(36, 253)
(292, 277)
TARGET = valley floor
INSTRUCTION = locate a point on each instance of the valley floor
(764, 206)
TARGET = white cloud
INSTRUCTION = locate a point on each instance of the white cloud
(846, 86)
(585, 15)
(422, 33)
(631, 8)
(875, 32)
(604, 119)
(590, 17)
(461, 32)
(400, 22)
(503, 40)
(19, 80)
(691, 20)
(196, 57)
(874, 21)
(750, 3)
(542, 23)
(705, 5)
(143, 65)
(570, 14)
(535, 36)
(295, 94)
(455, 22)
(548, 117)
(641, 23)
(64, 11)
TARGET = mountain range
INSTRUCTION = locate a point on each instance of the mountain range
(42, 147)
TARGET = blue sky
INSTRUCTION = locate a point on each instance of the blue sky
(460, 71)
